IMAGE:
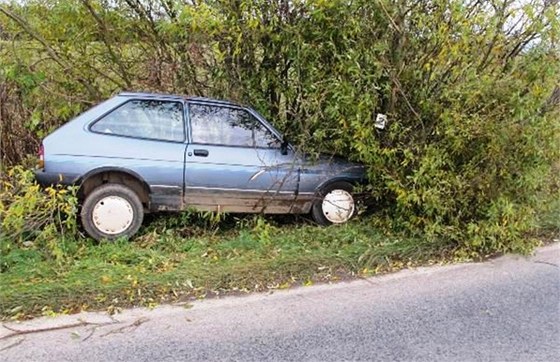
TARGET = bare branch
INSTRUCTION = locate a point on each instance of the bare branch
(104, 32)
(50, 50)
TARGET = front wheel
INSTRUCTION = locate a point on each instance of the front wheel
(335, 204)
(111, 211)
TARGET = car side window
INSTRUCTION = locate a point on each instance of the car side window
(159, 120)
(230, 127)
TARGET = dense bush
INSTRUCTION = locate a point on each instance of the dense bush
(34, 218)
(474, 130)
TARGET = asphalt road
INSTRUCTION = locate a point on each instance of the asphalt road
(506, 309)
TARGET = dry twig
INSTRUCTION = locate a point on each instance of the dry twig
(81, 323)
(127, 328)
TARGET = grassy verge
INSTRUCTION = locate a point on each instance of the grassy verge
(175, 261)
(180, 257)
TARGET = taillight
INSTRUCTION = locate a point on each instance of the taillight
(41, 162)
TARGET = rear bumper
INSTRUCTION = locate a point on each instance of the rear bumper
(50, 178)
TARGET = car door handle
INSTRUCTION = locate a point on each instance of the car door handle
(201, 153)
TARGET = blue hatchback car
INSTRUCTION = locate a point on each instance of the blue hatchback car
(137, 153)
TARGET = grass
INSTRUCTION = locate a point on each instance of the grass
(549, 220)
(179, 258)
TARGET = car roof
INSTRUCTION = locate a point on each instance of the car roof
(174, 97)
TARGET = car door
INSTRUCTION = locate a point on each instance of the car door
(234, 162)
(143, 137)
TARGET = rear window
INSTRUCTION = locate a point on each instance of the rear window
(151, 119)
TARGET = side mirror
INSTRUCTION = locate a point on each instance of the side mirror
(284, 147)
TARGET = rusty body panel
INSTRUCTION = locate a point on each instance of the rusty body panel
(250, 202)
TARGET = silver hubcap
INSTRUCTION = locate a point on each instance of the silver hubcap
(112, 215)
(338, 206)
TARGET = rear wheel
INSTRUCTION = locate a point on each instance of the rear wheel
(112, 211)
(335, 204)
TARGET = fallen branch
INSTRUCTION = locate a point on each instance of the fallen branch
(16, 343)
(129, 327)
(81, 323)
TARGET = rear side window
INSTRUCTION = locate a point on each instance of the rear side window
(229, 127)
(158, 120)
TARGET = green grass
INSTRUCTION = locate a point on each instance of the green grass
(549, 220)
(178, 258)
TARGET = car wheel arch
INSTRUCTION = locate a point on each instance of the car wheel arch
(100, 176)
(331, 181)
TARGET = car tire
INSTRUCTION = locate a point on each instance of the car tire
(334, 204)
(112, 211)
